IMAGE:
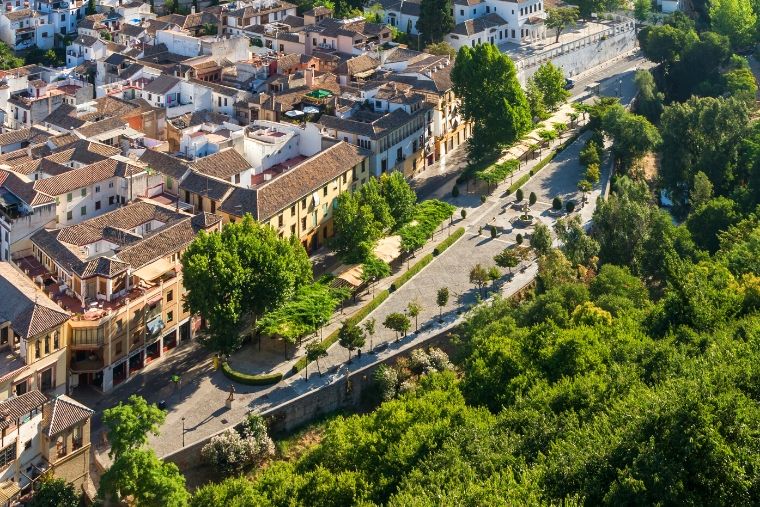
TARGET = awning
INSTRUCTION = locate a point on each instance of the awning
(315, 195)
(8, 491)
(348, 275)
(388, 249)
(153, 270)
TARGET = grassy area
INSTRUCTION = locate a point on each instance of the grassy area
(251, 380)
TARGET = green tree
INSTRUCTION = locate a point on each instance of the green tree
(370, 194)
(554, 270)
(479, 277)
(734, 19)
(592, 174)
(413, 309)
(128, 424)
(356, 228)
(350, 337)
(436, 19)
(550, 81)
(441, 299)
(398, 323)
(560, 18)
(642, 10)
(441, 49)
(400, 197)
(701, 190)
(633, 136)
(707, 221)
(649, 101)
(138, 474)
(506, 259)
(90, 7)
(485, 80)
(244, 270)
(314, 352)
(535, 99)
(541, 239)
(578, 247)
(590, 153)
(532, 198)
(52, 492)
(369, 330)
(374, 269)
(741, 84)
(231, 492)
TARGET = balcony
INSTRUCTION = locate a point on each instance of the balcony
(90, 364)
(178, 109)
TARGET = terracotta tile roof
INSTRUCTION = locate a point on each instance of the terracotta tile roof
(165, 163)
(18, 406)
(77, 178)
(15, 157)
(241, 201)
(104, 266)
(223, 164)
(63, 140)
(22, 189)
(64, 117)
(357, 65)
(206, 186)
(21, 14)
(162, 84)
(216, 87)
(27, 308)
(62, 413)
(131, 30)
(29, 135)
(474, 26)
(84, 152)
(102, 126)
(319, 10)
(42, 165)
(308, 176)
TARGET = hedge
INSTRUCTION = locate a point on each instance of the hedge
(251, 380)
(354, 319)
(443, 245)
(401, 280)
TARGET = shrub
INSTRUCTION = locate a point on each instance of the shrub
(419, 361)
(251, 380)
(439, 359)
(443, 245)
(416, 268)
(387, 381)
(519, 239)
(519, 195)
(231, 452)
(570, 206)
(483, 198)
(463, 213)
(455, 191)
(532, 198)
(557, 204)
(493, 231)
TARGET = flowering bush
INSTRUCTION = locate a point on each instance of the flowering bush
(231, 452)
(439, 359)
(387, 382)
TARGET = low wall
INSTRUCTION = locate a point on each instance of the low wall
(585, 53)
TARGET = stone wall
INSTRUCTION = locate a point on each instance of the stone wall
(582, 54)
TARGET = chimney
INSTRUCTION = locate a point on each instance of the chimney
(308, 74)
(192, 9)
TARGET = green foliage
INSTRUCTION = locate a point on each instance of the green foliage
(246, 269)
(485, 80)
(90, 7)
(532, 198)
(52, 492)
(560, 18)
(497, 173)
(479, 277)
(535, 99)
(735, 19)
(649, 101)
(398, 323)
(591, 153)
(139, 474)
(450, 240)
(633, 136)
(360, 315)
(128, 424)
(409, 273)
(442, 297)
(370, 194)
(578, 247)
(541, 239)
(707, 221)
(356, 228)
(441, 49)
(436, 20)
(400, 197)
(231, 492)
(740, 82)
(642, 10)
(519, 195)
(428, 216)
(374, 269)
(350, 337)
(251, 380)
(550, 80)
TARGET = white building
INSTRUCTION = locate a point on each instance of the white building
(84, 49)
(26, 28)
(64, 15)
(267, 143)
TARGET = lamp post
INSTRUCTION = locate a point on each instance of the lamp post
(183, 432)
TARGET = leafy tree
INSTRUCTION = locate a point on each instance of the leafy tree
(519, 195)
(536, 103)
(436, 19)
(578, 247)
(485, 80)
(356, 228)
(314, 352)
(232, 452)
(369, 330)
(370, 194)
(541, 239)
(741, 84)
(90, 7)
(707, 221)
(560, 18)
(702, 134)
(506, 259)
(128, 424)
(649, 101)
(441, 49)
(633, 135)
(244, 270)
(592, 174)
(479, 277)
(413, 309)
(665, 44)
(734, 19)
(554, 269)
(642, 10)
(398, 323)
(400, 197)
(232, 492)
(138, 474)
(350, 337)
(374, 269)
(588, 314)
(615, 289)
(591, 153)
(701, 191)
(557, 203)
(550, 81)
(52, 492)
(532, 198)
(441, 299)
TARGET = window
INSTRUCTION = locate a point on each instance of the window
(345, 176)
(87, 336)
(280, 221)
(324, 191)
(110, 201)
(4, 335)
(110, 183)
(118, 348)
(97, 205)
(83, 210)
(324, 209)
(237, 178)
(69, 197)
(84, 192)
(303, 203)
(37, 349)
(170, 296)
(76, 437)
(293, 210)
(22, 387)
(461, 12)
(69, 215)
(47, 345)
(293, 230)
(8, 455)
(56, 340)
(169, 316)
(46, 380)
(97, 188)
(303, 224)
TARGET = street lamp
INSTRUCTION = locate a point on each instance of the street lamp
(183, 432)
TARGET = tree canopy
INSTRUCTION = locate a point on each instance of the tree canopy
(436, 19)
